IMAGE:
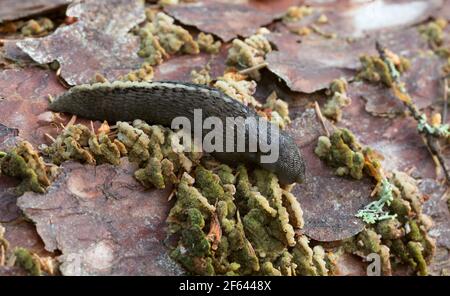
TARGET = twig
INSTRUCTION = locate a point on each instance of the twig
(71, 121)
(50, 137)
(172, 193)
(399, 89)
(321, 118)
(444, 111)
(253, 68)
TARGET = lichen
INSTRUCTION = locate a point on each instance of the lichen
(24, 163)
(250, 52)
(235, 86)
(375, 211)
(38, 27)
(201, 76)
(338, 99)
(172, 38)
(78, 142)
(160, 38)
(28, 261)
(144, 73)
(207, 44)
(433, 32)
(277, 111)
(374, 69)
(297, 13)
(342, 151)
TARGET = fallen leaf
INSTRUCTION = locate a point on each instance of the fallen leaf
(25, 97)
(225, 20)
(308, 65)
(422, 82)
(179, 68)
(103, 221)
(97, 43)
(329, 202)
(13, 9)
(396, 139)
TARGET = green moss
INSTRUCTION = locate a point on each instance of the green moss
(207, 44)
(415, 249)
(209, 184)
(26, 260)
(225, 174)
(38, 27)
(14, 165)
(375, 69)
(370, 241)
(151, 175)
(390, 229)
(343, 152)
(414, 234)
(338, 99)
(303, 257)
(267, 268)
(195, 265)
(104, 150)
(265, 245)
(434, 33)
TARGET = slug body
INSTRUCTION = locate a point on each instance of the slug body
(161, 102)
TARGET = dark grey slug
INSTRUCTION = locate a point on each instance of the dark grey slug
(160, 102)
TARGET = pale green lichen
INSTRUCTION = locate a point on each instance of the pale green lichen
(207, 44)
(375, 69)
(375, 211)
(38, 27)
(297, 13)
(278, 111)
(342, 151)
(338, 99)
(250, 53)
(236, 87)
(201, 76)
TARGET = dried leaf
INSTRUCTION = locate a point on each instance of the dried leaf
(225, 20)
(329, 202)
(99, 39)
(25, 93)
(311, 64)
(103, 221)
(12, 9)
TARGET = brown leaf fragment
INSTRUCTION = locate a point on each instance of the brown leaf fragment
(179, 68)
(396, 139)
(308, 65)
(225, 20)
(422, 82)
(329, 202)
(25, 98)
(97, 43)
(13, 9)
(103, 221)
